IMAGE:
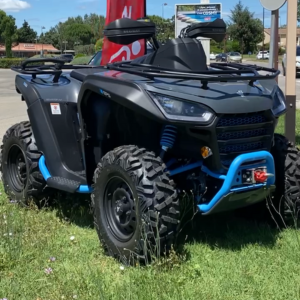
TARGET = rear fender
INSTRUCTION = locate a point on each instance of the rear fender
(26, 89)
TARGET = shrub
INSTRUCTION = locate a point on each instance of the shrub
(99, 45)
(7, 63)
(281, 51)
(85, 49)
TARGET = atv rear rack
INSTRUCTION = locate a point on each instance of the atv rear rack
(53, 69)
(222, 72)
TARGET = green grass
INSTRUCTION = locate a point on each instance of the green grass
(252, 57)
(226, 258)
(81, 60)
(45, 55)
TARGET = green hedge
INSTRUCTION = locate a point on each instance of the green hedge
(7, 63)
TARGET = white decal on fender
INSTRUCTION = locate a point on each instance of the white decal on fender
(55, 108)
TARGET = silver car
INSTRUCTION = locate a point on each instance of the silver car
(234, 57)
(297, 62)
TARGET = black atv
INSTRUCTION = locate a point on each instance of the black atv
(139, 134)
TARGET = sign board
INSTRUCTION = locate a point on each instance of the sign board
(272, 4)
(187, 14)
(29, 46)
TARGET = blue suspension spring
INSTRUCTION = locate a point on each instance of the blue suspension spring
(168, 137)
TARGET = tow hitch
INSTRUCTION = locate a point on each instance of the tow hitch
(259, 175)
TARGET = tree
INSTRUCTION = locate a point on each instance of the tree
(96, 23)
(244, 28)
(85, 30)
(26, 34)
(77, 32)
(8, 31)
(165, 27)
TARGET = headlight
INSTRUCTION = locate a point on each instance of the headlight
(177, 109)
(279, 106)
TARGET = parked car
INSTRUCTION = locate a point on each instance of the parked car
(212, 56)
(96, 59)
(297, 61)
(222, 57)
(263, 55)
(66, 57)
(234, 57)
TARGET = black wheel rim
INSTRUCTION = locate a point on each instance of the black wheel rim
(119, 209)
(16, 168)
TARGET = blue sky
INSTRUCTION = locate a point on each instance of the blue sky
(40, 13)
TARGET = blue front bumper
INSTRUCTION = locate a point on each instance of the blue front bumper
(233, 194)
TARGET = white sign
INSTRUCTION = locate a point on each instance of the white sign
(187, 14)
(55, 108)
(272, 4)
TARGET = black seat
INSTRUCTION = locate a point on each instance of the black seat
(181, 54)
(81, 74)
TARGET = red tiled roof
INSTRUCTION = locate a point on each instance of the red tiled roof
(23, 47)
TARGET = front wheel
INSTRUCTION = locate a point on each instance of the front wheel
(136, 206)
(286, 202)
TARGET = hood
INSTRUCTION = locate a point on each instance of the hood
(229, 97)
(221, 97)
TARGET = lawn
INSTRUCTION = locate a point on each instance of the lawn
(53, 253)
(252, 57)
(84, 60)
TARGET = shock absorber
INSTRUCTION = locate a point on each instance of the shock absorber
(168, 139)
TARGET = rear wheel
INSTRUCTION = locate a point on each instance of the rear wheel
(19, 158)
(136, 207)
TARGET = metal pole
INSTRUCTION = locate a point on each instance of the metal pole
(272, 40)
(263, 47)
(162, 8)
(290, 82)
(273, 61)
(276, 17)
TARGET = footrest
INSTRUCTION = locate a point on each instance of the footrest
(63, 184)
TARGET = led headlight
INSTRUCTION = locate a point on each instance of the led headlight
(279, 106)
(177, 109)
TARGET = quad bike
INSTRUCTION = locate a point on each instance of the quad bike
(136, 134)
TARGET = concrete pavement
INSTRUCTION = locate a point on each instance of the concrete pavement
(13, 110)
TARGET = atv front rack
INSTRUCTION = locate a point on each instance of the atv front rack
(53, 69)
(219, 72)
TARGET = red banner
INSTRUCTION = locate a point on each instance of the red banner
(116, 9)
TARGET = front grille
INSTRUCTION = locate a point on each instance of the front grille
(243, 133)
(241, 147)
(236, 120)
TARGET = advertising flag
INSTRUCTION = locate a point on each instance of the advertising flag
(116, 9)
